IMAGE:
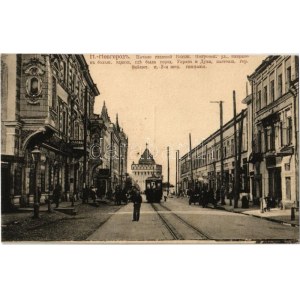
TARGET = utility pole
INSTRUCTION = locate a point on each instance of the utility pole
(168, 188)
(178, 171)
(221, 150)
(176, 179)
(191, 162)
(237, 154)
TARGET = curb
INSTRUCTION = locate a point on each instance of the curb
(259, 217)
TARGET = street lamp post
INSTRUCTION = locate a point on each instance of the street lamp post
(36, 155)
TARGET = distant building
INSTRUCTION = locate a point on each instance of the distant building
(146, 167)
(109, 166)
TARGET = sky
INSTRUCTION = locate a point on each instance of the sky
(162, 106)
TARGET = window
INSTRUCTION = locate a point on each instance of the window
(258, 146)
(281, 133)
(288, 188)
(76, 131)
(272, 91)
(265, 100)
(289, 131)
(270, 139)
(64, 122)
(54, 93)
(258, 101)
(279, 83)
(288, 77)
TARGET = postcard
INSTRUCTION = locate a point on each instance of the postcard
(149, 148)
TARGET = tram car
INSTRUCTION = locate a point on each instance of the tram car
(153, 189)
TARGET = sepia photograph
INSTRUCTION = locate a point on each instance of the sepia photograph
(149, 148)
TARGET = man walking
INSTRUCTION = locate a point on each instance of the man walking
(137, 201)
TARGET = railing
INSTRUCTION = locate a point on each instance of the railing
(77, 143)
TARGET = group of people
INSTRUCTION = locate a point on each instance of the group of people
(134, 195)
(120, 195)
(204, 195)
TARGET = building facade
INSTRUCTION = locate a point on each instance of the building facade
(202, 165)
(47, 102)
(108, 168)
(269, 139)
(146, 167)
(274, 152)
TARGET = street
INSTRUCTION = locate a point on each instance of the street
(176, 220)
(170, 221)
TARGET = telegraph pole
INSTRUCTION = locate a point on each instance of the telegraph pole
(168, 188)
(191, 161)
(221, 148)
(178, 171)
(176, 178)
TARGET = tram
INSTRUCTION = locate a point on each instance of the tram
(153, 189)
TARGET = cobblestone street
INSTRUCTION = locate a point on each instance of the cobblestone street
(170, 221)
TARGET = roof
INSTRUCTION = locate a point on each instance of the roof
(146, 158)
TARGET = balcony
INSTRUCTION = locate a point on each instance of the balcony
(255, 157)
(77, 144)
(78, 147)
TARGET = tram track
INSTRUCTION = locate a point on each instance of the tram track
(173, 231)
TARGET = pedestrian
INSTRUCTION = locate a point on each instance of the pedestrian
(165, 196)
(93, 193)
(263, 204)
(137, 201)
(118, 195)
(222, 195)
(57, 194)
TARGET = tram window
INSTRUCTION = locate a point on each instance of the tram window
(148, 185)
(153, 184)
(158, 184)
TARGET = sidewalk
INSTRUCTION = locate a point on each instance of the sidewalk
(275, 214)
(24, 213)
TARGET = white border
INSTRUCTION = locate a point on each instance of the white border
(145, 271)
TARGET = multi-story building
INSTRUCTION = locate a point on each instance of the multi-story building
(269, 156)
(108, 159)
(146, 167)
(48, 102)
(274, 106)
(203, 162)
